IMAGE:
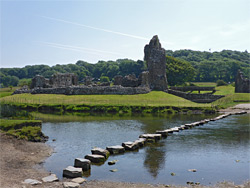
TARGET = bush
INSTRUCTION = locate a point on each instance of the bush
(221, 83)
(104, 79)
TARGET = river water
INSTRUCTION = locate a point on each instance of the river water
(218, 150)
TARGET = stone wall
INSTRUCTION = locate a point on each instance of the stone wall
(192, 88)
(63, 80)
(39, 81)
(85, 90)
(199, 98)
(242, 85)
(130, 81)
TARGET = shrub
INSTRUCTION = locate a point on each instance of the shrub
(221, 83)
(104, 79)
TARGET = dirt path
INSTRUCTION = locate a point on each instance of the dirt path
(237, 108)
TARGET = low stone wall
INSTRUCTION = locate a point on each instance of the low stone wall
(199, 98)
(84, 90)
(192, 88)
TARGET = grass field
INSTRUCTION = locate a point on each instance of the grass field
(152, 99)
(204, 84)
(7, 91)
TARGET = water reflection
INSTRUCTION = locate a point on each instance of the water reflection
(155, 158)
(211, 149)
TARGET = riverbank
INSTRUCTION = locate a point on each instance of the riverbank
(237, 108)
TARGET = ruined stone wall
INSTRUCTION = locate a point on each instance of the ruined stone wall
(39, 81)
(242, 85)
(84, 90)
(63, 80)
(199, 98)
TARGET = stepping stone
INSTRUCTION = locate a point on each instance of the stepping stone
(71, 185)
(78, 180)
(85, 164)
(112, 162)
(141, 142)
(196, 123)
(163, 133)
(183, 127)
(130, 145)
(100, 151)
(95, 158)
(192, 170)
(32, 182)
(206, 120)
(189, 125)
(116, 149)
(151, 136)
(50, 178)
(169, 130)
(175, 129)
(202, 122)
(72, 172)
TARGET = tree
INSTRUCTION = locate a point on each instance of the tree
(178, 71)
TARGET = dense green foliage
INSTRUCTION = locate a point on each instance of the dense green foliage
(21, 76)
(221, 83)
(179, 71)
(211, 67)
(182, 66)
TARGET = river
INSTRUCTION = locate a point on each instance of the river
(218, 150)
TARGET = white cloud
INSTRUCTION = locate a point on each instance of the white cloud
(105, 30)
(79, 49)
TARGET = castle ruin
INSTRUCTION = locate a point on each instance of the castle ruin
(242, 85)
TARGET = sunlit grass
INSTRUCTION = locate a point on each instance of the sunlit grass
(154, 98)
(204, 84)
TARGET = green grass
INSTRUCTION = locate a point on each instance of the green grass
(7, 124)
(7, 91)
(232, 100)
(204, 84)
(154, 98)
(22, 129)
(224, 90)
(5, 94)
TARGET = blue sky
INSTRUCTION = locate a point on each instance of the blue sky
(61, 32)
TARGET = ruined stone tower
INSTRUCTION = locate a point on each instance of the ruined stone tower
(242, 85)
(156, 62)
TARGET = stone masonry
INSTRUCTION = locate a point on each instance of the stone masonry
(242, 85)
(156, 62)
(63, 80)
(39, 81)
(57, 80)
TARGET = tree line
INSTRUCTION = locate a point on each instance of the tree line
(182, 66)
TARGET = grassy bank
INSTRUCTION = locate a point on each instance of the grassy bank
(23, 129)
(155, 102)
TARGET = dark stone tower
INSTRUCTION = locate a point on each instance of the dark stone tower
(156, 62)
